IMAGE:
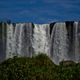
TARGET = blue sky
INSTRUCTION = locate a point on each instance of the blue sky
(39, 11)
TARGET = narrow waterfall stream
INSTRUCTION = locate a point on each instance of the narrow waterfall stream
(9, 43)
(76, 42)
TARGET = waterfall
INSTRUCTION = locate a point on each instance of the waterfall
(41, 40)
(28, 40)
(76, 41)
(59, 43)
(19, 40)
(9, 44)
(25, 40)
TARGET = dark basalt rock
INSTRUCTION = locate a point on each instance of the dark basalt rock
(51, 27)
(67, 63)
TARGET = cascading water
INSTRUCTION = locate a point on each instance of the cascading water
(76, 41)
(60, 41)
(41, 40)
(16, 39)
(19, 41)
(9, 44)
(2, 41)
(19, 38)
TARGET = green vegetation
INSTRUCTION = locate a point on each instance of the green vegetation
(38, 68)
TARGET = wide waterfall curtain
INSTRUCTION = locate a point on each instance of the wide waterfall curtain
(59, 40)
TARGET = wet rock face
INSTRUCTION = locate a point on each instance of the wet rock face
(51, 27)
(70, 29)
(79, 32)
(2, 41)
(70, 35)
(60, 40)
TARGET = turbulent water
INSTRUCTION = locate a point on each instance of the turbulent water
(41, 39)
(60, 41)
(59, 46)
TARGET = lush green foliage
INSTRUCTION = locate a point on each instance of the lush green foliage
(38, 68)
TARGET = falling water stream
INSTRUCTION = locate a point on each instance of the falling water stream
(76, 43)
(41, 39)
(59, 44)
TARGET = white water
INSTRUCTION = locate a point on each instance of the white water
(60, 43)
(76, 42)
(40, 39)
(3, 35)
(19, 40)
(25, 40)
